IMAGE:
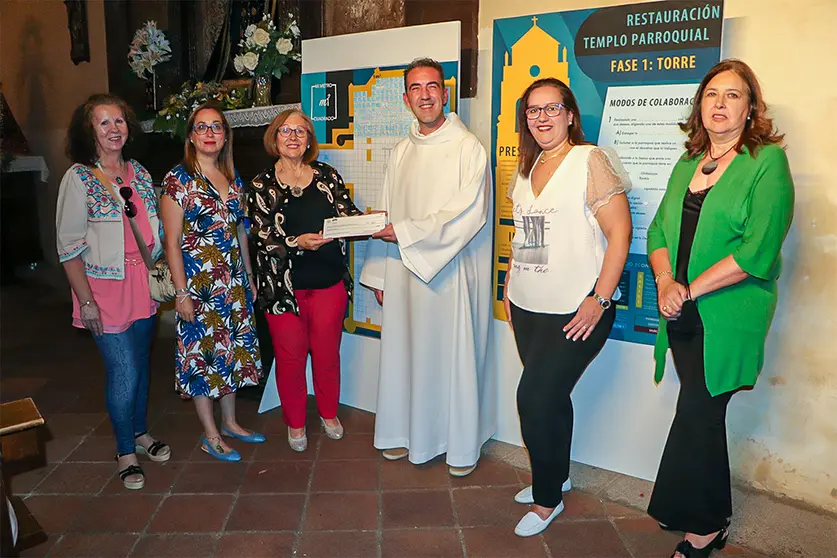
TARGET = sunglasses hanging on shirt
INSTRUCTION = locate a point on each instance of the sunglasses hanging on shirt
(130, 208)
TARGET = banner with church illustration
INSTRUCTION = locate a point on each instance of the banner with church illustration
(634, 70)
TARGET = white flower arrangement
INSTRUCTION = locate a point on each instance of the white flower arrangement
(149, 48)
(267, 49)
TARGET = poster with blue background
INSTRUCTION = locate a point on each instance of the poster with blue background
(634, 70)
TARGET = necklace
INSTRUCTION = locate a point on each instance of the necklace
(712, 165)
(561, 152)
(296, 189)
(118, 178)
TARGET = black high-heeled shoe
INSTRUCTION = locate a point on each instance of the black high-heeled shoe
(686, 549)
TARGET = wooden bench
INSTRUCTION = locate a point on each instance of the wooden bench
(17, 417)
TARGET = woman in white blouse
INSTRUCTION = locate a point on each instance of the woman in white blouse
(572, 235)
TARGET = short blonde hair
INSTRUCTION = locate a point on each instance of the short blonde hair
(313, 149)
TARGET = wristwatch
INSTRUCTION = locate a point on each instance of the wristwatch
(603, 302)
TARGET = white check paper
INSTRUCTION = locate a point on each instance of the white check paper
(356, 225)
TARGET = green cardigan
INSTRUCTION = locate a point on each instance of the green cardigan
(747, 214)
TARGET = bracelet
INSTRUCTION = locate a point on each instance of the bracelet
(90, 302)
(689, 293)
(183, 291)
(661, 274)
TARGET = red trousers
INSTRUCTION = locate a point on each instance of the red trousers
(317, 330)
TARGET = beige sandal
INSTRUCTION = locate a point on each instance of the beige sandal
(158, 451)
(129, 471)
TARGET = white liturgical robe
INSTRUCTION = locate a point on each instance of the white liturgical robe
(435, 391)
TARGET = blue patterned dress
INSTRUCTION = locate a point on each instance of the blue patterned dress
(219, 352)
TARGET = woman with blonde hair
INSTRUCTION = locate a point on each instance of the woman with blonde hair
(206, 247)
(303, 278)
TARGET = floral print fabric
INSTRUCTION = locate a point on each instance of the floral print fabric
(219, 352)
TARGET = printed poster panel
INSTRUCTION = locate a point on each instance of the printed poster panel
(634, 70)
(359, 115)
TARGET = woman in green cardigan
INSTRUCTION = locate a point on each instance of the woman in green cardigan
(714, 246)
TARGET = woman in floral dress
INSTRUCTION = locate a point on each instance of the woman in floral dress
(206, 247)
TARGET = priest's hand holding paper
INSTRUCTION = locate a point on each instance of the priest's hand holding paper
(387, 234)
(312, 241)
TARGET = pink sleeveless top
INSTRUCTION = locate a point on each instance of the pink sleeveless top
(121, 303)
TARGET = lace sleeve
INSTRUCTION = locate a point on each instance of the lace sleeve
(606, 177)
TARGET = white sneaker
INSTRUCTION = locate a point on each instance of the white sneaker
(532, 524)
(525, 496)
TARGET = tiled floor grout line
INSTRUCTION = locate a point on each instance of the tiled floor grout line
(54, 546)
(304, 515)
(619, 534)
(166, 496)
(379, 535)
(455, 513)
(456, 524)
(220, 534)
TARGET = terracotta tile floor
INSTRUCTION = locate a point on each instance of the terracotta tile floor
(338, 499)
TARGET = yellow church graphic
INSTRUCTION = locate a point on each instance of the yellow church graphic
(534, 56)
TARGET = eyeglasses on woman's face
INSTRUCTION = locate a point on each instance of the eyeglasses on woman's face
(285, 132)
(203, 128)
(551, 110)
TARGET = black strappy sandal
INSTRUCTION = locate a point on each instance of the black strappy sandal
(686, 549)
(129, 471)
(159, 452)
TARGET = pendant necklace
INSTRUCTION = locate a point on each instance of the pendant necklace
(119, 180)
(712, 165)
(296, 190)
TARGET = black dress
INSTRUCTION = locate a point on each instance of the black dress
(692, 492)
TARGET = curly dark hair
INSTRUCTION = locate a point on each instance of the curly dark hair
(758, 130)
(81, 139)
(528, 147)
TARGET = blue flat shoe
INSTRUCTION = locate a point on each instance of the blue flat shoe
(254, 438)
(218, 452)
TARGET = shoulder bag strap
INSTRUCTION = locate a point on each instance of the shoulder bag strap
(146, 255)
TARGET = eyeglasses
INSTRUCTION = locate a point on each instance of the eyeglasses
(130, 208)
(552, 110)
(285, 132)
(201, 129)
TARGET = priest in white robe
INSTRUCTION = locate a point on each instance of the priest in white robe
(431, 270)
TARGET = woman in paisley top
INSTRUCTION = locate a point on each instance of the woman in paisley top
(304, 282)
(206, 246)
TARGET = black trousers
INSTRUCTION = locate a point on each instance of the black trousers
(552, 365)
(692, 492)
